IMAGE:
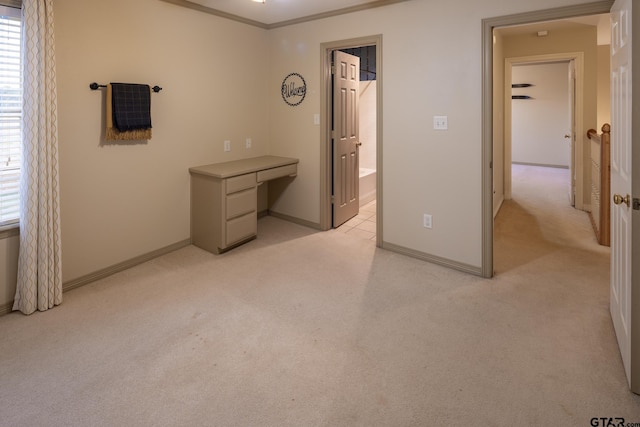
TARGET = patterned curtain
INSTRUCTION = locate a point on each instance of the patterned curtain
(39, 263)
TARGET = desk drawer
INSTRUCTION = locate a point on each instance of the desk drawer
(266, 175)
(241, 202)
(240, 182)
(242, 228)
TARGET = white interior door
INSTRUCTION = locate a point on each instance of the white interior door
(621, 161)
(346, 137)
(572, 132)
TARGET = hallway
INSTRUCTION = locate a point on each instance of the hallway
(539, 224)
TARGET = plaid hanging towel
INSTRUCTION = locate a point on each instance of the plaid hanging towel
(128, 112)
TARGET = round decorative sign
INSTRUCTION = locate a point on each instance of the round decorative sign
(294, 89)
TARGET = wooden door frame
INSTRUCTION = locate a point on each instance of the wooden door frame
(488, 25)
(326, 159)
(578, 57)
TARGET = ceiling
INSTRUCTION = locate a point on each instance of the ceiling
(601, 22)
(277, 13)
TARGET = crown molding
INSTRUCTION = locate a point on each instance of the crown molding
(216, 12)
(195, 6)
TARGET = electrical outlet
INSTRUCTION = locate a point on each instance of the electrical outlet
(440, 122)
(427, 221)
(248, 143)
(316, 119)
(227, 145)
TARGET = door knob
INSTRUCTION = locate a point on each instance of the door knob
(358, 143)
(567, 136)
(618, 199)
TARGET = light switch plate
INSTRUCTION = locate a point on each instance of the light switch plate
(440, 122)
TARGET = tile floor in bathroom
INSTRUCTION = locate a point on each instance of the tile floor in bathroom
(362, 225)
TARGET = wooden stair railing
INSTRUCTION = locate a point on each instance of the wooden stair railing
(601, 183)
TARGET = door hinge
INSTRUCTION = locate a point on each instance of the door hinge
(333, 70)
(636, 204)
(333, 199)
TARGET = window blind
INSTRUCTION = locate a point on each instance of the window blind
(11, 3)
(10, 115)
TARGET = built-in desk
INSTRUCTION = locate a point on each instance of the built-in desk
(224, 199)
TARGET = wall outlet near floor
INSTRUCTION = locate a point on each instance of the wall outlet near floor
(427, 221)
(227, 145)
(247, 143)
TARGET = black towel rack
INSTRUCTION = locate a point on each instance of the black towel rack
(96, 86)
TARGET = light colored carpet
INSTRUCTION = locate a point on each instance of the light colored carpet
(302, 328)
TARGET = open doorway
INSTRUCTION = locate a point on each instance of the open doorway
(361, 222)
(541, 162)
(546, 98)
(367, 117)
(537, 217)
(541, 119)
(550, 97)
(369, 51)
(493, 65)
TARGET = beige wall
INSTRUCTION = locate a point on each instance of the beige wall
(368, 95)
(124, 200)
(424, 171)
(222, 80)
(8, 268)
(575, 40)
(498, 122)
(538, 125)
(604, 86)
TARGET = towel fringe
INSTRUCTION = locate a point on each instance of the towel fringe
(113, 134)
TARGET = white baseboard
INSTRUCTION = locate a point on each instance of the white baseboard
(366, 198)
(6, 308)
(543, 165)
(116, 268)
(101, 274)
(295, 220)
(455, 265)
(497, 208)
